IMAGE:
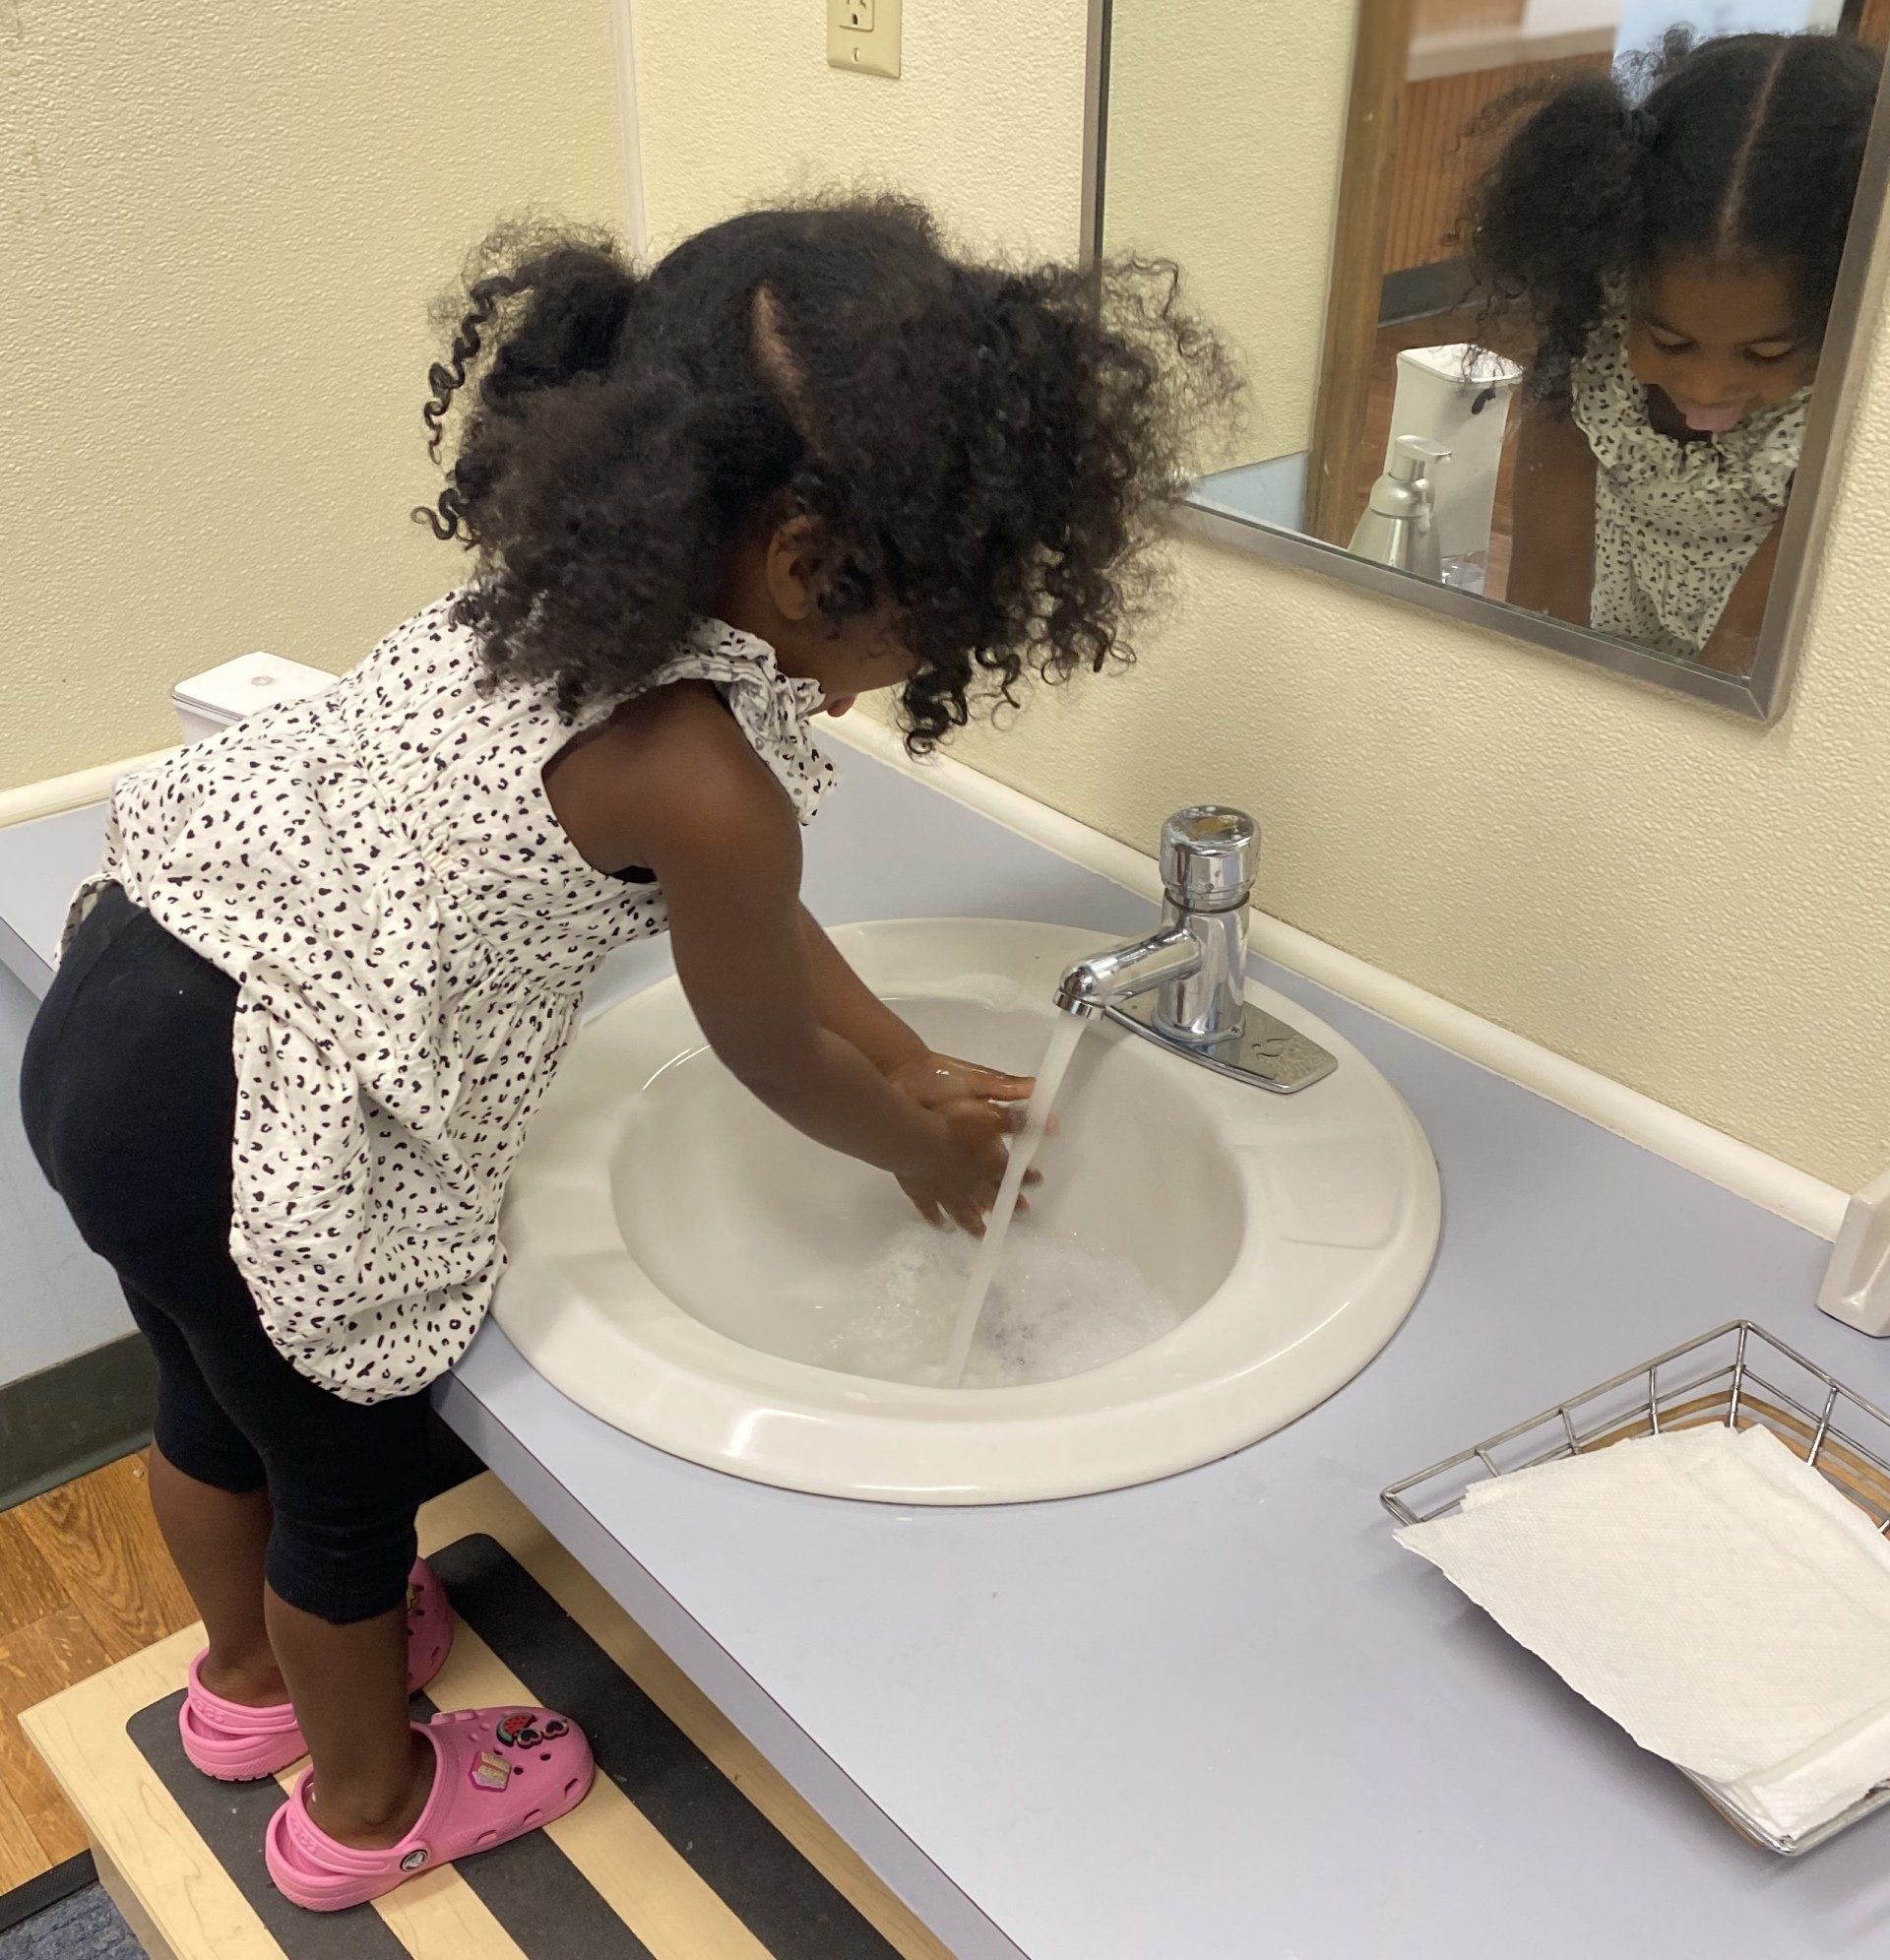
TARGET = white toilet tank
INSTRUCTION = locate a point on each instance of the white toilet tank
(1457, 396)
(221, 695)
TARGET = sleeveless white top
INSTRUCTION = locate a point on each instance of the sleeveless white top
(411, 931)
(1675, 522)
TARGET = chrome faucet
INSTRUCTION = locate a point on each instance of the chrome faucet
(1183, 986)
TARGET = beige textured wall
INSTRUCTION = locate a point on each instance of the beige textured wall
(1691, 905)
(1226, 127)
(220, 227)
(987, 121)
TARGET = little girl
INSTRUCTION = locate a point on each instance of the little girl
(1673, 262)
(333, 955)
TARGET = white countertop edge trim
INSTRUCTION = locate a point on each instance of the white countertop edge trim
(1735, 1167)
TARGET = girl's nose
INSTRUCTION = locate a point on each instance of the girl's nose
(1719, 380)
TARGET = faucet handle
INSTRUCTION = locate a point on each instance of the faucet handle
(1210, 854)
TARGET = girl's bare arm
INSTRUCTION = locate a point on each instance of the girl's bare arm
(1551, 566)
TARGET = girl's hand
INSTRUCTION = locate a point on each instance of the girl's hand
(935, 1081)
(982, 1108)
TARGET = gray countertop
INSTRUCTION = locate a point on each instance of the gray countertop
(1223, 1717)
(42, 863)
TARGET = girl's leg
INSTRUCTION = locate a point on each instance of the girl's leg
(349, 1684)
(129, 1097)
(347, 1480)
(127, 1093)
(216, 1539)
(317, 1568)
(206, 1492)
(308, 1577)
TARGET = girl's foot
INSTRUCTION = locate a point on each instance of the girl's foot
(240, 1742)
(498, 1773)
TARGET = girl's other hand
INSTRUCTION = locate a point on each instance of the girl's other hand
(982, 1106)
(935, 1081)
(959, 1184)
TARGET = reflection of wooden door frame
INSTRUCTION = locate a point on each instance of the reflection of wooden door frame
(1868, 20)
(1381, 51)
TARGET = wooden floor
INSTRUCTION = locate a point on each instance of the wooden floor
(690, 1847)
(85, 1581)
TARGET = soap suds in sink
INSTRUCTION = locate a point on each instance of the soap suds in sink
(1056, 1308)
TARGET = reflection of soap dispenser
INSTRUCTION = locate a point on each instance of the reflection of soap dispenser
(1398, 528)
(1459, 395)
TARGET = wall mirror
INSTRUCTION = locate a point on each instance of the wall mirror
(1552, 310)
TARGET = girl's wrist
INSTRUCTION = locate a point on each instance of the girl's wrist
(898, 1054)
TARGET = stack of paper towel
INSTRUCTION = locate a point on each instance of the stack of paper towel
(1712, 1592)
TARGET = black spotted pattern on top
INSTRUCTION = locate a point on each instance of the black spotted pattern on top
(411, 930)
(1675, 522)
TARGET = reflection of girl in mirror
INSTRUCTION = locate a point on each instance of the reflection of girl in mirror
(1673, 258)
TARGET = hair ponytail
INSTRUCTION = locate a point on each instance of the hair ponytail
(1549, 224)
(556, 312)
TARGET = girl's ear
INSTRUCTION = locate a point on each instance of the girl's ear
(797, 567)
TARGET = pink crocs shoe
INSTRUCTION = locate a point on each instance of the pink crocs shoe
(500, 1773)
(236, 1744)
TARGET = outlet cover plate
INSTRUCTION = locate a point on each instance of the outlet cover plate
(863, 38)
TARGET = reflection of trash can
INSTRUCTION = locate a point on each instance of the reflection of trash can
(1458, 396)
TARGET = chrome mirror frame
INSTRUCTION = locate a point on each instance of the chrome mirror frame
(1758, 696)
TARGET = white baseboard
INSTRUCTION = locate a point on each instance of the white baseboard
(58, 793)
(1738, 1166)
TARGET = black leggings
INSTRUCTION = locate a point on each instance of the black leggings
(129, 1093)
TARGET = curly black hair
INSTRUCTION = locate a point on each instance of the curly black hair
(1743, 147)
(986, 446)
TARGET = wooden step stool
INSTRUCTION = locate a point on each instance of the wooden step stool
(690, 1846)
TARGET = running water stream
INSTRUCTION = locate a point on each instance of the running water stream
(990, 1252)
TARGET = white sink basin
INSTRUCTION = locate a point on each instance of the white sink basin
(1206, 1262)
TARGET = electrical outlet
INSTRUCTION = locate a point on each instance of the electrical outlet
(862, 35)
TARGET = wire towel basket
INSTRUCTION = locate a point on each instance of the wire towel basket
(1739, 1375)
